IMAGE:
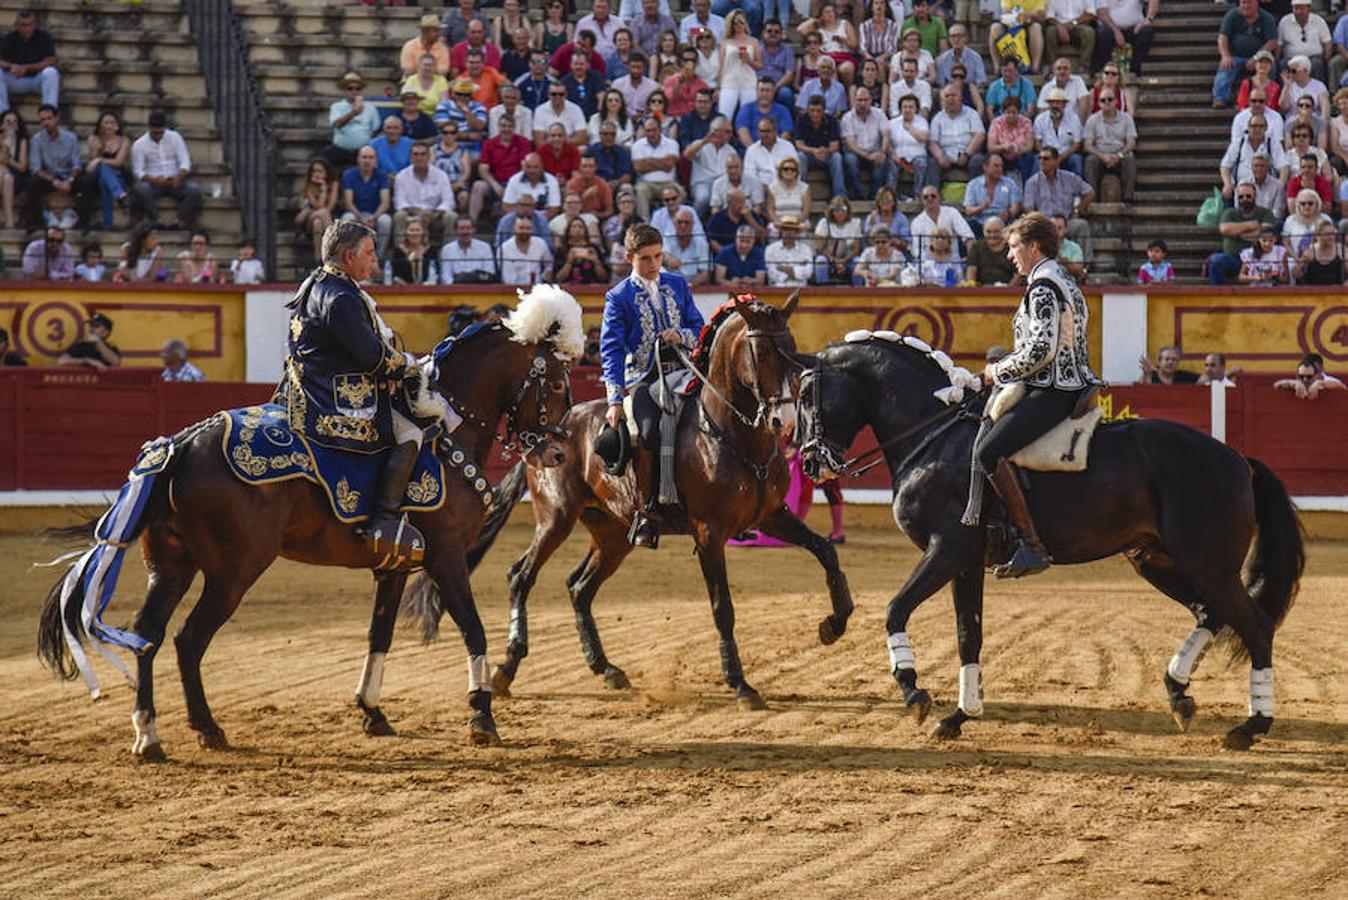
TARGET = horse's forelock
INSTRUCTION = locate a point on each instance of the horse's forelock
(548, 313)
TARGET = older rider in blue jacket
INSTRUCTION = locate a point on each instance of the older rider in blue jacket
(342, 378)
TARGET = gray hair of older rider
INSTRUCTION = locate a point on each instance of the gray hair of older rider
(341, 236)
(176, 347)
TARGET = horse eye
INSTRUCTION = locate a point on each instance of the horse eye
(557, 387)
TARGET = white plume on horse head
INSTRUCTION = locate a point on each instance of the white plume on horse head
(539, 309)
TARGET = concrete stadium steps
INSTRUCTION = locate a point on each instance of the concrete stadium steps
(133, 60)
(1180, 137)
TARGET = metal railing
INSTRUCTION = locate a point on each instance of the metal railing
(250, 149)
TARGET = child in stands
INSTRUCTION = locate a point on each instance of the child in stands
(91, 266)
(244, 269)
(1157, 267)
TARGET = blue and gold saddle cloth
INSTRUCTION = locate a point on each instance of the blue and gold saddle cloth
(260, 449)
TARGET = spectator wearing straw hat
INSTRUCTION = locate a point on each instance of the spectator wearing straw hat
(470, 115)
(354, 122)
(428, 40)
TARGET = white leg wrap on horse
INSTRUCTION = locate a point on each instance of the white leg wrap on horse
(1189, 653)
(971, 690)
(371, 680)
(146, 736)
(1261, 692)
(901, 652)
(479, 679)
(515, 633)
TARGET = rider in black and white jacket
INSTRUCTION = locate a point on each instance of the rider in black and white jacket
(1051, 358)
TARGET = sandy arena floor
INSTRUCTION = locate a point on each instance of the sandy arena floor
(1074, 784)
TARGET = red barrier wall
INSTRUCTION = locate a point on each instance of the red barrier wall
(78, 429)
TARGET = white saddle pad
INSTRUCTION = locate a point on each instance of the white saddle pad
(1066, 446)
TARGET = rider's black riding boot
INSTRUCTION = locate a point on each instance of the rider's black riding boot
(646, 525)
(388, 533)
(1030, 557)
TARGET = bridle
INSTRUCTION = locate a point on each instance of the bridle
(517, 440)
(832, 456)
(765, 404)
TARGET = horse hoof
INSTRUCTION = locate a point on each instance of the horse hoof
(482, 732)
(947, 729)
(919, 705)
(376, 725)
(151, 753)
(1237, 741)
(615, 679)
(500, 682)
(751, 700)
(213, 740)
(1183, 711)
(827, 632)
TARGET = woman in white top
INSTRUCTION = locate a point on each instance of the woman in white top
(787, 196)
(910, 47)
(1338, 132)
(612, 108)
(708, 59)
(838, 239)
(881, 261)
(839, 37)
(1298, 232)
(741, 58)
(941, 265)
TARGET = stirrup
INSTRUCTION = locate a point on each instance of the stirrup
(1025, 561)
(645, 531)
(396, 542)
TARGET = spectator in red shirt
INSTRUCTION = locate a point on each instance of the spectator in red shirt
(561, 158)
(476, 40)
(595, 193)
(1309, 178)
(560, 63)
(501, 157)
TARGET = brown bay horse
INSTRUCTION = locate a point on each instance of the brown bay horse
(730, 475)
(200, 518)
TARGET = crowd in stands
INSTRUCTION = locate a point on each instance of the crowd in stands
(52, 183)
(525, 151)
(1282, 71)
(712, 125)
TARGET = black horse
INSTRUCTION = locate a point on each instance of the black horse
(1151, 491)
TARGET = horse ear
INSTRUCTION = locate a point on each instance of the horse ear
(791, 303)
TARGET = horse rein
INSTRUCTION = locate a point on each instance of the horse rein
(764, 403)
(832, 454)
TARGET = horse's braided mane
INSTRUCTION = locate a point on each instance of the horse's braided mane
(702, 355)
(959, 378)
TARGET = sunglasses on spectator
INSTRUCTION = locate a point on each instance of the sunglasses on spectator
(1256, 99)
(1106, 99)
(1111, 71)
(1304, 203)
(656, 100)
(790, 169)
(556, 93)
(1305, 379)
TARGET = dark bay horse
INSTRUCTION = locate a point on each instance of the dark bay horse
(201, 518)
(1152, 491)
(730, 475)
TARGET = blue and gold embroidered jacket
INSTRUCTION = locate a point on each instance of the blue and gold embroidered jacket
(632, 324)
(341, 366)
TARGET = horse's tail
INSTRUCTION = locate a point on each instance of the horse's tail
(508, 494)
(75, 603)
(51, 641)
(1279, 550)
(421, 600)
